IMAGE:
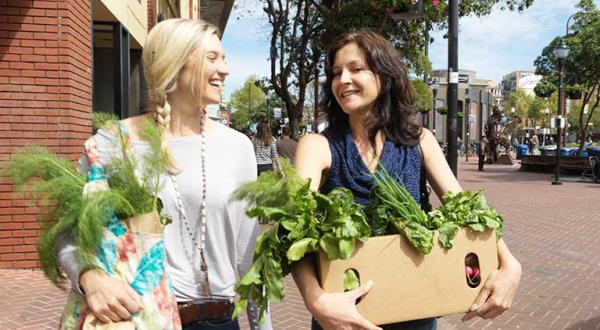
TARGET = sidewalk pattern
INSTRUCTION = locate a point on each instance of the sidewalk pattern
(552, 230)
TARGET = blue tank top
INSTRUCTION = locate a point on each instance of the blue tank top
(348, 169)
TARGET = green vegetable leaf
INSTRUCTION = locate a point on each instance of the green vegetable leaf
(301, 247)
(351, 280)
(447, 233)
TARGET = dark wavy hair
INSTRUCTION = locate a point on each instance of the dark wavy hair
(393, 111)
(263, 133)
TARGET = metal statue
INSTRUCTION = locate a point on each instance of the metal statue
(495, 131)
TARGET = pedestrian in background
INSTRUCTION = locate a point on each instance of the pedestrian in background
(265, 148)
(184, 65)
(533, 144)
(483, 142)
(286, 146)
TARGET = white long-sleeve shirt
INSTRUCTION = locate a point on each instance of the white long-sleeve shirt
(230, 234)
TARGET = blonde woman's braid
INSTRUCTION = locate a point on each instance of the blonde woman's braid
(163, 114)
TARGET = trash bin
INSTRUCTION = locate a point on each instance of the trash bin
(585, 153)
(522, 150)
(567, 152)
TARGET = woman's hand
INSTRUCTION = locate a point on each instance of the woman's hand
(337, 311)
(498, 293)
(108, 298)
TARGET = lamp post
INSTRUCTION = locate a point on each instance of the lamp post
(561, 52)
(547, 112)
(434, 88)
(467, 115)
(513, 137)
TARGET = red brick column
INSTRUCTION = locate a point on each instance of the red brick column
(45, 99)
(152, 8)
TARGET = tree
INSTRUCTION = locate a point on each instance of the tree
(423, 96)
(581, 68)
(294, 23)
(249, 103)
(522, 102)
(300, 30)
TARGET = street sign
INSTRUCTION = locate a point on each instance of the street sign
(463, 78)
(471, 119)
(277, 113)
(558, 122)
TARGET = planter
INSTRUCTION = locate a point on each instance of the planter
(405, 11)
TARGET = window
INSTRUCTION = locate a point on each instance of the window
(168, 9)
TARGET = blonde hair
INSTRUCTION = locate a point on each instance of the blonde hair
(169, 45)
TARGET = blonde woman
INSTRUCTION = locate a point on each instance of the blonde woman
(210, 241)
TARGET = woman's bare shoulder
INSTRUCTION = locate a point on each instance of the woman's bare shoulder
(134, 125)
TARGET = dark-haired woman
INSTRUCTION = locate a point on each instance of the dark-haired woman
(265, 148)
(372, 122)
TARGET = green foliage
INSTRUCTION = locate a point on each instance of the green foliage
(249, 101)
(581, 67)
(53, 181)
(59, 187)
(442, 110)
(575, 91)
(544, 88)
(423, 96)
(304, 221)
(465, 209)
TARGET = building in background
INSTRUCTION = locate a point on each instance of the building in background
(60, 61)
(526, 80)
(475, 99)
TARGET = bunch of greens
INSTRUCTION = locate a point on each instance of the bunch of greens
(393, 205)
(465, 209)
(52, 180)
(303, 221)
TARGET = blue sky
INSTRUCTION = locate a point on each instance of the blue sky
(492, 46)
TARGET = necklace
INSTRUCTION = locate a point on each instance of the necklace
(200, 245)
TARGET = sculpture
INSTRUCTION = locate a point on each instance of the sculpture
(495, 132)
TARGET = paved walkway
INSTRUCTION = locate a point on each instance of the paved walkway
(553, 231)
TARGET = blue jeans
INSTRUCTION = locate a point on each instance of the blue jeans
(425, 324)
(225, 324)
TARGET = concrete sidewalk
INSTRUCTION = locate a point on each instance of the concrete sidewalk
(552, 230)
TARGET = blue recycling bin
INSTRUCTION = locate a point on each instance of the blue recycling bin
(567, 152)
(522, 150)
(585, 153)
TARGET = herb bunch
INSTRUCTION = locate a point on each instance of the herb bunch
(59, 188)
(393, 204)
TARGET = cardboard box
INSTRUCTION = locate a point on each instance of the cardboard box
(409, 285)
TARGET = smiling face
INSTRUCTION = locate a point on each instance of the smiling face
(214, 72)
(354, 85)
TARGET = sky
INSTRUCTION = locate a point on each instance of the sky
(492, 46)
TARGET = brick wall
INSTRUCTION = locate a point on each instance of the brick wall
(152, 7)
(45, 99)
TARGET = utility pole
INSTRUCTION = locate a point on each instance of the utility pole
(452, 96)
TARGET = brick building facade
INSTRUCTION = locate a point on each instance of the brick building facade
(47, 82)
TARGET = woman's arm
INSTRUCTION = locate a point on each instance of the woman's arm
(108, 298)
(335, 310)
(499, 290)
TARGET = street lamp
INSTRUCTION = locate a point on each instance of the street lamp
(513, 137)
(467, 115)
(434, 88)
(547, 112)
(561, 52)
